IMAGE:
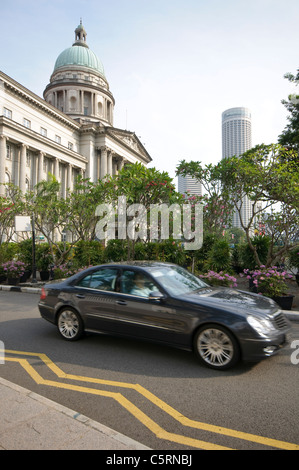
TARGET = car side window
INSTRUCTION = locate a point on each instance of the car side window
(102, 279)
(136, 283)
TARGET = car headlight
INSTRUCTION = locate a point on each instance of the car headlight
(261, 325)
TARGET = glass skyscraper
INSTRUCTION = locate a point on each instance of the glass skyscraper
(236, 139)
(188, 184)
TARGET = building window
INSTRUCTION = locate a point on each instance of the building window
(73, 103)
(27, 123)
(58, 139)
(8, 152)
(43, 131)
(70, 146)
(7, 113)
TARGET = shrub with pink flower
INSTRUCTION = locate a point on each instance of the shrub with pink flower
(62, 271)
(13, 269)
(219, 279)
(269, 281)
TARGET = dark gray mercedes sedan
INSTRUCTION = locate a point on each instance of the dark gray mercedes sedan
(166, 303)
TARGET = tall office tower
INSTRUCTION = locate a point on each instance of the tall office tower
(236, 132)
(236, 139)
(188, 184)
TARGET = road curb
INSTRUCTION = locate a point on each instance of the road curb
(33, 290)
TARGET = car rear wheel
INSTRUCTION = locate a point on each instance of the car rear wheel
(216, 347)
(70, 324)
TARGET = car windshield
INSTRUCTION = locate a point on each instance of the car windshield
(176, 280)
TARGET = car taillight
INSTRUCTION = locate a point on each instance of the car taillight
(43, 294)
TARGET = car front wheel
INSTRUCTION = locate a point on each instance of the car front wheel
(216, 347)
(69, 324)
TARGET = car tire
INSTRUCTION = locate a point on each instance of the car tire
(69, 324)
(216, 347)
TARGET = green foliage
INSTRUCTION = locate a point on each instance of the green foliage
(219, 257)
(25, 253)
(116, 250)
(170, 251)
(246, 258)
(8, 251)
(294, 258)
(140, 251)
(290, 135)
(88, 253)
(201, 256)
(44, 256)
(267, 174)
(143, 185)
(217, 206)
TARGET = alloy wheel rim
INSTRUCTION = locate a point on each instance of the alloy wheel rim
(68, 324)
(215, 347)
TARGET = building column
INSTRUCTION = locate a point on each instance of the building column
(121, 163)
(82, 102)
(66, 103)
(109, 165)
(40, 166)
(56, 168)
(104, 162)
(114, 167)
(70, 177)
(34, 169)
(22, 182)
(2, 163)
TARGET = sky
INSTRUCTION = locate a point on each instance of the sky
(173, 66)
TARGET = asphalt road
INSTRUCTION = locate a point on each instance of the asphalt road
(156, 395)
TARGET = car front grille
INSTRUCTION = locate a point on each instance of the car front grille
(280, 321)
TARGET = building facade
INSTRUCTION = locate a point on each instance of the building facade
(190, 185)
(236, 132)
(70, 131)
(236, 140)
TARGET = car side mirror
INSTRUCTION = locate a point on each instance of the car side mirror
(156, 295)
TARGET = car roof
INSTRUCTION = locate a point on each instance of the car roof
(120, 264)
(137, 264)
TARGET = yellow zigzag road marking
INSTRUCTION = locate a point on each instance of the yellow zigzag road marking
(153, 399)
(142, 417)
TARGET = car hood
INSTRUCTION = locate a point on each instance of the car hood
(232, 300)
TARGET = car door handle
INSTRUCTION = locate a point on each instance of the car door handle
(80, 296)
(121, 302)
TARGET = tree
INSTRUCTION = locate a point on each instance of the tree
(83, 201)
(144, 187)
(10, 205)
(216, 203)
(268, 175)
(51, 213)
(290, 135)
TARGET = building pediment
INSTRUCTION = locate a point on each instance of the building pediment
(129, 140)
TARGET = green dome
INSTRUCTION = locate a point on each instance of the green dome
(81, 56)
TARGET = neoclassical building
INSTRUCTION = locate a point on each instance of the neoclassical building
(70, 131)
